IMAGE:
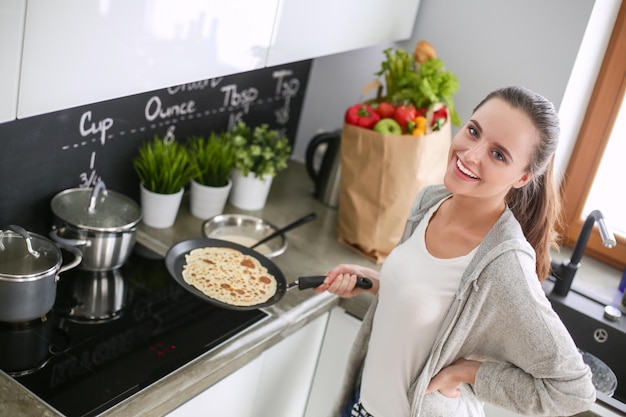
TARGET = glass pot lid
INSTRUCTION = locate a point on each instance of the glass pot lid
(96, 209)
(24, 254)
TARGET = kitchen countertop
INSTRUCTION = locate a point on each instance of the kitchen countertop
(312, 250)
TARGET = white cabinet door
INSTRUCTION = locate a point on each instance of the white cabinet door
(79, 52)
(308, 29)
(11, 34)
(340, 334)
(233, 396)
(275, 384)
(288, 369)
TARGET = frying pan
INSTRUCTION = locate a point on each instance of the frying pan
(175, 260)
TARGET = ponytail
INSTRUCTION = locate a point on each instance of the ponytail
(537, 208)
(536, 205)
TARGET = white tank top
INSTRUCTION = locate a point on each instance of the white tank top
(415, 292)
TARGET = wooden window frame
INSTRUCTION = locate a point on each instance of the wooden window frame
(593, 138)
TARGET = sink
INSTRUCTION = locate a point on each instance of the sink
(595, 334)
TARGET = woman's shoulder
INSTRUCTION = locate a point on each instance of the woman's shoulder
(505, 249)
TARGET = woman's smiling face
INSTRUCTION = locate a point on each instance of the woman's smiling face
(491, 152)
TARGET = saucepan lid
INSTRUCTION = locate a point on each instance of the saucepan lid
(96, 209)
(26, 255)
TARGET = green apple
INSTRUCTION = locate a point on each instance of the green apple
(388, 126)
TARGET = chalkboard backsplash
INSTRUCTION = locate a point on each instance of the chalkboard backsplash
(43, 155)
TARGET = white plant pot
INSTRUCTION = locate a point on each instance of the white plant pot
(249, 192)
(160, 210)
(206, 202)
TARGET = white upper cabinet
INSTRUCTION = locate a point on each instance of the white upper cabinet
(309, 29)
(78, 52)
(11, 31)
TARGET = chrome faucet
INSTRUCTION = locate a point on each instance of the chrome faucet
(565, 271)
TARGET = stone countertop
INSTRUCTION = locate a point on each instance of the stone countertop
(312, 250)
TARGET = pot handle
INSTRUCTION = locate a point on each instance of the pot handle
(22, 232)
(70, 242)
(100, 188)
(78, 258)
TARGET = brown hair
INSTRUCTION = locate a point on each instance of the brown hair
(536, 205)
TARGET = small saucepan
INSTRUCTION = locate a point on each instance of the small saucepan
(175, 261)
(30, 266)
(99, 222)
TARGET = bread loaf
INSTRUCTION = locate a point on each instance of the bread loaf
(424, 51)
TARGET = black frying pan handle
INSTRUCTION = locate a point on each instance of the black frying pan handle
(315, 281)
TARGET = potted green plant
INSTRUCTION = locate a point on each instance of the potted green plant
(213, 160)
(164, 169)
(261, 153)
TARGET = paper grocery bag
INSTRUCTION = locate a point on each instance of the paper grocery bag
(381, 175)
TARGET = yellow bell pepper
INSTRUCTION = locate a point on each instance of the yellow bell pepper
(420, 126)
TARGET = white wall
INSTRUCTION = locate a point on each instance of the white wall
(486, 43)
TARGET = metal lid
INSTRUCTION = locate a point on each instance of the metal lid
(612, 313)
(602, 377)
(26, 255)
(97, 209)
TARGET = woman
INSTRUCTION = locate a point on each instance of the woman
(459, 316)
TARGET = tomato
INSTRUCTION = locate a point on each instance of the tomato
(385, 110)
(405, 113)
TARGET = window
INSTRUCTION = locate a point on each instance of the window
(603, 193)
(599, 127)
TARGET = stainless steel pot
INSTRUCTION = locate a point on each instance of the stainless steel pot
(30, 266)
(100, 222)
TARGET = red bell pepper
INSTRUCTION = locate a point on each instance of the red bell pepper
(439, 118)
(362, 115)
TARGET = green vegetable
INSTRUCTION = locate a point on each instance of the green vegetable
(422, 87)
(397, 67)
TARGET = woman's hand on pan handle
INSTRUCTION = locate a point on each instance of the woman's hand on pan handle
(341, 280)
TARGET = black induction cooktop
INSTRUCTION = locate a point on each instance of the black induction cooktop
(112, 334)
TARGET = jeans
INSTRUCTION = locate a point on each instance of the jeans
(354, 408)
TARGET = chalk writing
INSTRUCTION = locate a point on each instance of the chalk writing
(199, 85)
(288, 89)
(87, 127)
(169, 135)
(154, 109)
(92, 178)
(236, 99)
(280, 75)
(233, 119)
(282, 115)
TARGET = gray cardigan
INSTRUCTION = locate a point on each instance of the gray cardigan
(500, 316)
